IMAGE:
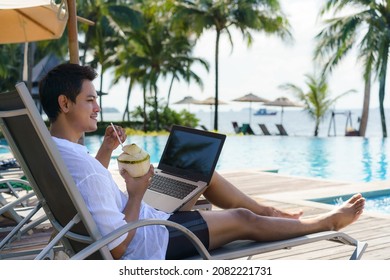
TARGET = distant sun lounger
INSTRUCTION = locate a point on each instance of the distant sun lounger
(244, 129)
(247, 129)
(264, 129)
(281, 129)
(236, 127)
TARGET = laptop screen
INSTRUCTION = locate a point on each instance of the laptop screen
(191, 153)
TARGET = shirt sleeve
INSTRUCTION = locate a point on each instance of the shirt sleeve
(104, 204)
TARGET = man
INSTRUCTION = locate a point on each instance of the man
(70, 101)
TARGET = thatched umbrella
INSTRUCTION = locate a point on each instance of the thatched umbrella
(187, 100)
(282, 102)
(210, 101)
(250, 97)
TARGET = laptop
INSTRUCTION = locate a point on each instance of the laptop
(185, 168)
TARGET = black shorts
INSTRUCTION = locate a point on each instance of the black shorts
(179, 246)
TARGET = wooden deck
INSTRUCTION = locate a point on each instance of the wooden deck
(288, 192)
(291, 193)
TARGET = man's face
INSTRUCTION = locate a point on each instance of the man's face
(85, 111)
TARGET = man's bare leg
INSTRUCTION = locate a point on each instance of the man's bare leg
(233, 224)
(225, 195)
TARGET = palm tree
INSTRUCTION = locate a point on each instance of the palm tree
(316, 98)
(368, 28)
(95, 36)
(149, 49)
(245, 15)
(179, 65)
(155, 50)
(128, 66)
(101, 39)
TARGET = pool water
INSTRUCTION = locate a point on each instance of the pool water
(5, 152)
(4, 149)
(351, 159)
(379, 204)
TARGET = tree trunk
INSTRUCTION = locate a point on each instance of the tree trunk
(169, 91)
(144, 110)
(316, 128)
(85, 49)
(382, 86)
(30, 63)
(157, 120)
(126, 113)
(216, 81)
(366, 107)
(101, 96)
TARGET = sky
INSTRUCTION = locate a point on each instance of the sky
(262, 67)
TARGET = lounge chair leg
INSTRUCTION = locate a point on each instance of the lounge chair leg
(57, 238)
(360, 248)
(9, 237)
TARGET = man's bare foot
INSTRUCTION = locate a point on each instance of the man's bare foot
(347, 213)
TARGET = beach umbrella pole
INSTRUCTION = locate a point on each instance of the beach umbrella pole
(250, 113)
(281, 117)
(211, 116)
(72, 33)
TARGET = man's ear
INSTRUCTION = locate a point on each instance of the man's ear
(63, 102)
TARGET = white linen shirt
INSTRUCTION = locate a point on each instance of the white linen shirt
(106, 202)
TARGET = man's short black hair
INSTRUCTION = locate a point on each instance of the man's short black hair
(65, 79)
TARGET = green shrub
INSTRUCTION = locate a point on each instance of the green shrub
(166, 117)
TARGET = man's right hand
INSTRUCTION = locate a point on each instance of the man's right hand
(137, 186)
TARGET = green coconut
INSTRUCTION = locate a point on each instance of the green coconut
(134, 160)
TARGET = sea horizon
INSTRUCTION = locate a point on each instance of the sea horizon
(296, 121)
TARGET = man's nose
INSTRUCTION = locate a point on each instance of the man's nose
(97, 107)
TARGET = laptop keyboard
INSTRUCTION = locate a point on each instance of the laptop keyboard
(171, 187)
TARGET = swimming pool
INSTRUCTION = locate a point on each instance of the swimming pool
(351, 159)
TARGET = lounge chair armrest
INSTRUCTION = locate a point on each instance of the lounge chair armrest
(126, 228)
